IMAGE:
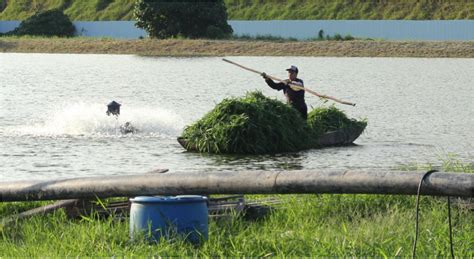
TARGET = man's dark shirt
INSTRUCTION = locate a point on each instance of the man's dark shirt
(294, 98)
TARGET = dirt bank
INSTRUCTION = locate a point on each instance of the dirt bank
(366, 48)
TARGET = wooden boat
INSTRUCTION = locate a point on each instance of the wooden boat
(342, 137)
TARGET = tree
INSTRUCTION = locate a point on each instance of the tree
(48, 23)
(193, 18)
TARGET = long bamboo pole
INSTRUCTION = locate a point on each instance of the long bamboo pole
(293, 86)
(262, 182)
(40, 211)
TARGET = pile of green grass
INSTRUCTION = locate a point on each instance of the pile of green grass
(253, 124)
(256, 124)
(324, 119)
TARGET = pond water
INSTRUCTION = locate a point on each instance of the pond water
(52, 109)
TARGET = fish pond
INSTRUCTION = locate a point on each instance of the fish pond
(54, 122)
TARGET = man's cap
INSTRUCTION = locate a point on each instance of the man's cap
(292, 68)
(113, 108)
(113, 104)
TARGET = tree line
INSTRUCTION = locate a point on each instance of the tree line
(159, 18)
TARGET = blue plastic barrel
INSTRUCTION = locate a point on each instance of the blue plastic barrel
(154, 217)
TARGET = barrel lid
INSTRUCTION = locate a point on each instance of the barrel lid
(170, 199)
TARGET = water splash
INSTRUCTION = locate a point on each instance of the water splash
(90, 120)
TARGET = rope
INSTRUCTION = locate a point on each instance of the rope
(418, 212)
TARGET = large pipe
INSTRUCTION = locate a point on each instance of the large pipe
(247, 182)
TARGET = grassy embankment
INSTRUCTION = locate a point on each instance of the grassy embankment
(244, 9)
(183, 47)
(350, 10)
(260, 10)
(303, 225)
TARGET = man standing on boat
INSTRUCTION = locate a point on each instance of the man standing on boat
(294, 97)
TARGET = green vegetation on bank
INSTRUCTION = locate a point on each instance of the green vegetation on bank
(303, 225)
(47, 23)
(165, 19)
(77, 10)
(93, 10)
(350, 10)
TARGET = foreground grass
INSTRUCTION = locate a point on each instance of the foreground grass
(303, 225)
(184, 47)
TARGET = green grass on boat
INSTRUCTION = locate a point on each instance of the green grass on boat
(256, 124)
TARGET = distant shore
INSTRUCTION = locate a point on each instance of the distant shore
(181, 47)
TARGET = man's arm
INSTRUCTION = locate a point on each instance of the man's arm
(276, 86)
